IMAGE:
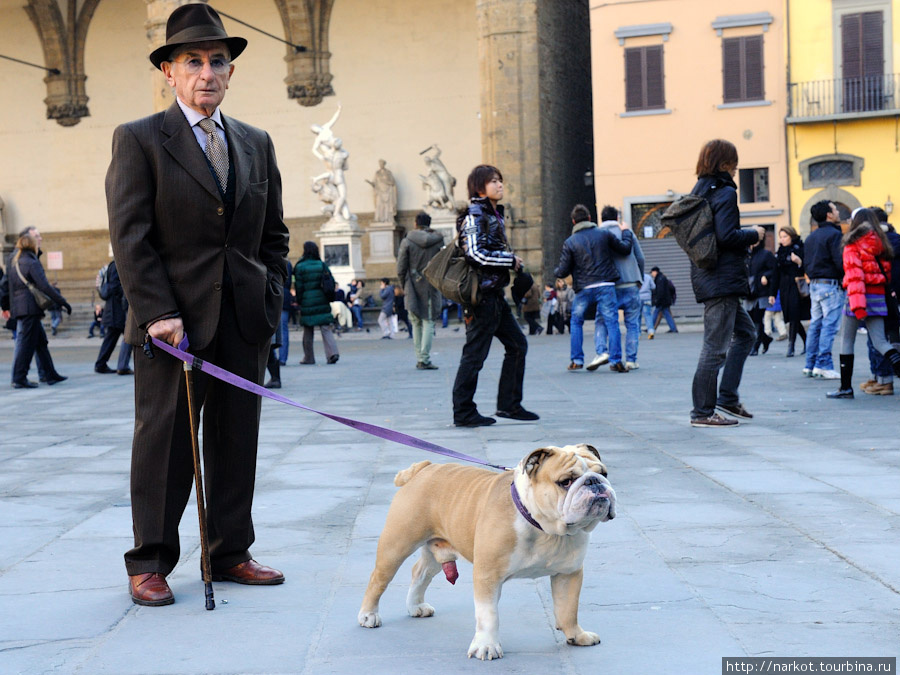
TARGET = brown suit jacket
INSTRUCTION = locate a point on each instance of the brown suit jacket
(169, 235)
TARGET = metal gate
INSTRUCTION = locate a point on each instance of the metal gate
(667, 255)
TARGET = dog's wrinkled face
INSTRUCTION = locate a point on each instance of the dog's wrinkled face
(566, 489)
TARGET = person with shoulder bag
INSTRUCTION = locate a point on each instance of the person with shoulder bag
(30, 295)
(315, 310)
(481, 235)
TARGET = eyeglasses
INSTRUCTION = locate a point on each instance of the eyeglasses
(195, 65)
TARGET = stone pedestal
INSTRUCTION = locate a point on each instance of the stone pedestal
(384, 240)
(443, 221)
(340, 244)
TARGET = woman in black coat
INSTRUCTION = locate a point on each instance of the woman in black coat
(794, 306)
(30, 336)
(763, 278)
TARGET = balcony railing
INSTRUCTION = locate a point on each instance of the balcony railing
(848, 97)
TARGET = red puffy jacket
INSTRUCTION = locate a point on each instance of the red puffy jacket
(862, 274)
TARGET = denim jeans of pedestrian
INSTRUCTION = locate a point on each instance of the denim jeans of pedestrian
(647, 315)
(628, 299)
(728, 337)
(491, 318)
(124, 362)
(826, 301)
(356, 311)
(284, 336)
(667, 315)
(606, 322)
(422, 333)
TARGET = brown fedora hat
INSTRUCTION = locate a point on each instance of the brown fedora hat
(195, 23)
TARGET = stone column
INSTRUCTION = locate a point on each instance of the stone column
(510, 115)
(158, 12)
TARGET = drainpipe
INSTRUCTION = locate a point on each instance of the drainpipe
(787, 152)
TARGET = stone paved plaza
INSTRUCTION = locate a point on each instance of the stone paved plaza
(775, 538)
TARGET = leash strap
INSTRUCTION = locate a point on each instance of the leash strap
(215, 371)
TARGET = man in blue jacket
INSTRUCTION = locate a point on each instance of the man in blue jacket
(824, 267)
(588, 256)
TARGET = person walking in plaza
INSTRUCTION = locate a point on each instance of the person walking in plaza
(663, 297)
(588, 256)
(646, 296)
(628, 292)
(824, 267)
(114, 314)
(481, 234)
(315, 310)
(763, 278)
(791, 275)
(31, 340)
(195, 220)
(728, 331)
(867, 256)
(531, 309)
(423, 301)
(284, 329)
(566, 297)
(385, 320)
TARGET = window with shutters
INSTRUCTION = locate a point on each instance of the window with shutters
(644, 75)
(742, 69)
(862, 61)
(753, 185)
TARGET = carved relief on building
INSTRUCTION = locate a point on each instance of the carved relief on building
(306, 23)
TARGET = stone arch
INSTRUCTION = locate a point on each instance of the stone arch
(306, 23)
(62, 41)
(833, 194)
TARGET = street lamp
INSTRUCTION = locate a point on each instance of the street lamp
(888, 206)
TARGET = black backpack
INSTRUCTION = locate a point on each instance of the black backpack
(690, 219)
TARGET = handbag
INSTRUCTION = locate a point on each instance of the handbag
(450, 273)
(43, 300)
(802, 286)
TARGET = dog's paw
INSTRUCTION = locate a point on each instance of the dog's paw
(485, 648)
(584, 639)
(369, 619)
(423, 609)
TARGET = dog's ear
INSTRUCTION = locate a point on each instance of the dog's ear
(591, 449)
(533, 462)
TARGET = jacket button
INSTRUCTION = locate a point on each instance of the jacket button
(221, 210)
(217, 286)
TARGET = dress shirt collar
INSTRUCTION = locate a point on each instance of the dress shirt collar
(193, 117)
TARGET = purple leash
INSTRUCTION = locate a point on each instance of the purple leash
(212, 370)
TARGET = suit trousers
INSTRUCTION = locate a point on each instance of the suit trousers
(161, 461)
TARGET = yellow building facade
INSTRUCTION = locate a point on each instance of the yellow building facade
(844, 114)
(668, 77)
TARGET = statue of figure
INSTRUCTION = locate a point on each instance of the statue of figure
(385, 194)
(438, 183)
(330, 186)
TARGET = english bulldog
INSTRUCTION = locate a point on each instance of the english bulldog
(528, 522)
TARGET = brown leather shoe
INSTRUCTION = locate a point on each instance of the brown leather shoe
(250, 572)
(150, 590)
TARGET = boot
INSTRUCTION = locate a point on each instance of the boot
(274, 367)
(790, 350)
(846, 390)
(766, 341)
(893, 356)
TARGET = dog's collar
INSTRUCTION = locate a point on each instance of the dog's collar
(521, 507)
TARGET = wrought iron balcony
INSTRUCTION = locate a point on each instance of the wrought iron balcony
(846, 98)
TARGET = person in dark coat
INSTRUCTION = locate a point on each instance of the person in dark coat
(114, 315)
(794, 306)
(31, 340)
(423, 301)
(728, 331)
(315, 310)
(662, 298)
(763, 278)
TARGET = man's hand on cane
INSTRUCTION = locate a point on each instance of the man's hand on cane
(168, 330)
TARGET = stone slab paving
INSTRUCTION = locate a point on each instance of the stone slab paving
(776, 538)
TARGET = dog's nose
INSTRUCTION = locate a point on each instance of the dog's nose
(592, 481)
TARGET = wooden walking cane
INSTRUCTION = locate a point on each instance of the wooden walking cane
(205, 570)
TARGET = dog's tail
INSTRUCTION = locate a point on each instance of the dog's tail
(406, 475)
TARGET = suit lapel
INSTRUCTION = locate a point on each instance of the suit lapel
(184, 148)
(240, 152)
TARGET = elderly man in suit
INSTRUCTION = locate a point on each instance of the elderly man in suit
(195, 219)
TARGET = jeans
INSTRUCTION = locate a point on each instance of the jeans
(647, 315)
(422, 334)
(826, 301)
(728, 337)
(604, 297)
(491, 318)
(445, 314)
(667, 315)
(124, 357)
(356, 310)
(284, 337)
(628, 299)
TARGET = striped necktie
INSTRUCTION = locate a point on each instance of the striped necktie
(216, 152)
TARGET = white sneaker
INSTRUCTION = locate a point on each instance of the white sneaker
(599, 361)
(807, 372)
(826, 374)
(631, 365)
